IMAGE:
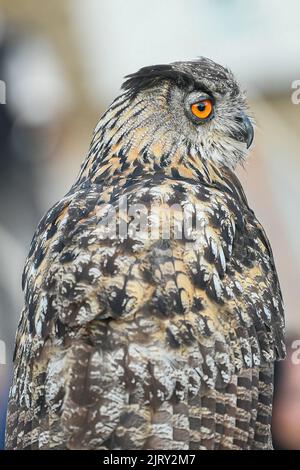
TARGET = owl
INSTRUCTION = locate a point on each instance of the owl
(153, 313)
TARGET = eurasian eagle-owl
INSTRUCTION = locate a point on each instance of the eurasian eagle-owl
(135, 341)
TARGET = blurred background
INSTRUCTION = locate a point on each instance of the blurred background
(62, 62)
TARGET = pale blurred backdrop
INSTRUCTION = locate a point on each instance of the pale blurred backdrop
(63, 62)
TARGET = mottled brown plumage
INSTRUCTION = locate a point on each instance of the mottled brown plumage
(151, 342)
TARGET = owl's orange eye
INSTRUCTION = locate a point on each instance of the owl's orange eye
(202, 109)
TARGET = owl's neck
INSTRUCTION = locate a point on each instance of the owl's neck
(127, 145)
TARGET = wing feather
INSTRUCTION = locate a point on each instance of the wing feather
(157, 339)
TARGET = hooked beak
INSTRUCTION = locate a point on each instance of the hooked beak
(245, 132)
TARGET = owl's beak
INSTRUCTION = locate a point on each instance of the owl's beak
(245, 131)
(249, 131)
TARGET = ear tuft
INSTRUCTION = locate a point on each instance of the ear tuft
(148, 77)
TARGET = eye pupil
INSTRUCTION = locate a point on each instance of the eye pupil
(201, 107)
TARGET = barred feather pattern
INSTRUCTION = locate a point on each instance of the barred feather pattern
(142, 343)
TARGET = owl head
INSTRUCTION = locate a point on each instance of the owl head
(197, 102)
